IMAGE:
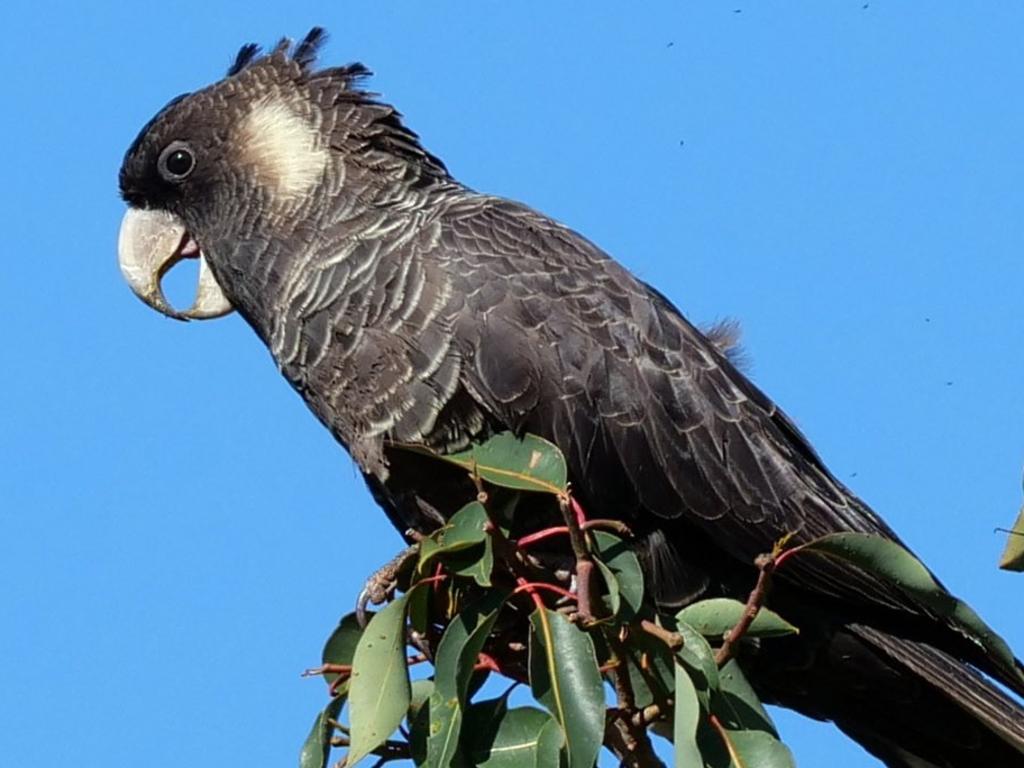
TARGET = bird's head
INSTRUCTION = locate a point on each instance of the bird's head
(256, 160)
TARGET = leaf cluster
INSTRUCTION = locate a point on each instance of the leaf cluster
(476, 606)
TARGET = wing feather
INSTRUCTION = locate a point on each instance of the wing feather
(569, 345)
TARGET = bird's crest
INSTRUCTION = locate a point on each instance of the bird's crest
(301, 59)
(384, 130)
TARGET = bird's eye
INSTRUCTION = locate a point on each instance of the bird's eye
(176, 161)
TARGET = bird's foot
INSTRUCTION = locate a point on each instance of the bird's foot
(383, 582)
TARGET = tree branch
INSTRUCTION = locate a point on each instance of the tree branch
(730, 643)
(572, 512)
(629, 741)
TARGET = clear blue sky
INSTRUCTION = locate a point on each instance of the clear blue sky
(178, 535)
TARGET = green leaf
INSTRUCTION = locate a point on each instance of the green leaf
(463, 543)
(316, 751)
(612, 600)
(466, 527)
(757, 749)
(419, 604)
(687, 716)
(420, 691)
(718, 615)
(379, 693)
(462, 642)
(427, 550)
(341, 645)
(549, 746)
(1013, 555)
(476, 563)
(887, 559)
(419, 726)
(621, 560)
(482, 718)
(736, 704)
(699, 659)
(465, 535)
(453, 667)
(443, 736)
(651, 668)
(712, 749)
(529, 463)
(511, 738)
(565, 678)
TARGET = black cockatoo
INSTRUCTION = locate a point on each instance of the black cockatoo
(404, 306)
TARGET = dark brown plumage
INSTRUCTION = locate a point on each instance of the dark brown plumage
(403, 306)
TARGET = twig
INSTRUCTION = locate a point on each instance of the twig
(529, 586)
(673, 640)
(547, 533)
(563, 530)
(338, 726)
(766, 566)
(429, 580)
(629, 742)
(577, 512)
(506, 551)
(343, 672)
(420, 642)
(486, 661)
(572, 512)
(723, 734)
(626, 729)
(529, 589)
(620, 673)
(648, 715)
(328, 669)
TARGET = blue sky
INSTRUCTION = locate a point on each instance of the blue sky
(178, 535)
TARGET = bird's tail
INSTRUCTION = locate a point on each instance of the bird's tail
(909, 704)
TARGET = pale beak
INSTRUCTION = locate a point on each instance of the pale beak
(149, 245)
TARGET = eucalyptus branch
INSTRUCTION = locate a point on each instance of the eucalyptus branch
(572, 513)
(619, 672)
(629, 741)
(766, 567)
(673, 640)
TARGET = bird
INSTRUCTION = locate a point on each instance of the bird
(405, 307)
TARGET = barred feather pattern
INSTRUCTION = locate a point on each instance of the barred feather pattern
(405, 307)
(392, 318)
(388, 315)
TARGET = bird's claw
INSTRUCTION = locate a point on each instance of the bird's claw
(382, 583)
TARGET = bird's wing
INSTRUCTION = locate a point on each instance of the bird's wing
(560, 340)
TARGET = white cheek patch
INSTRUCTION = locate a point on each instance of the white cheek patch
(282, 147)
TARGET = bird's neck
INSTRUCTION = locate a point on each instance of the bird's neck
(326, 270)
